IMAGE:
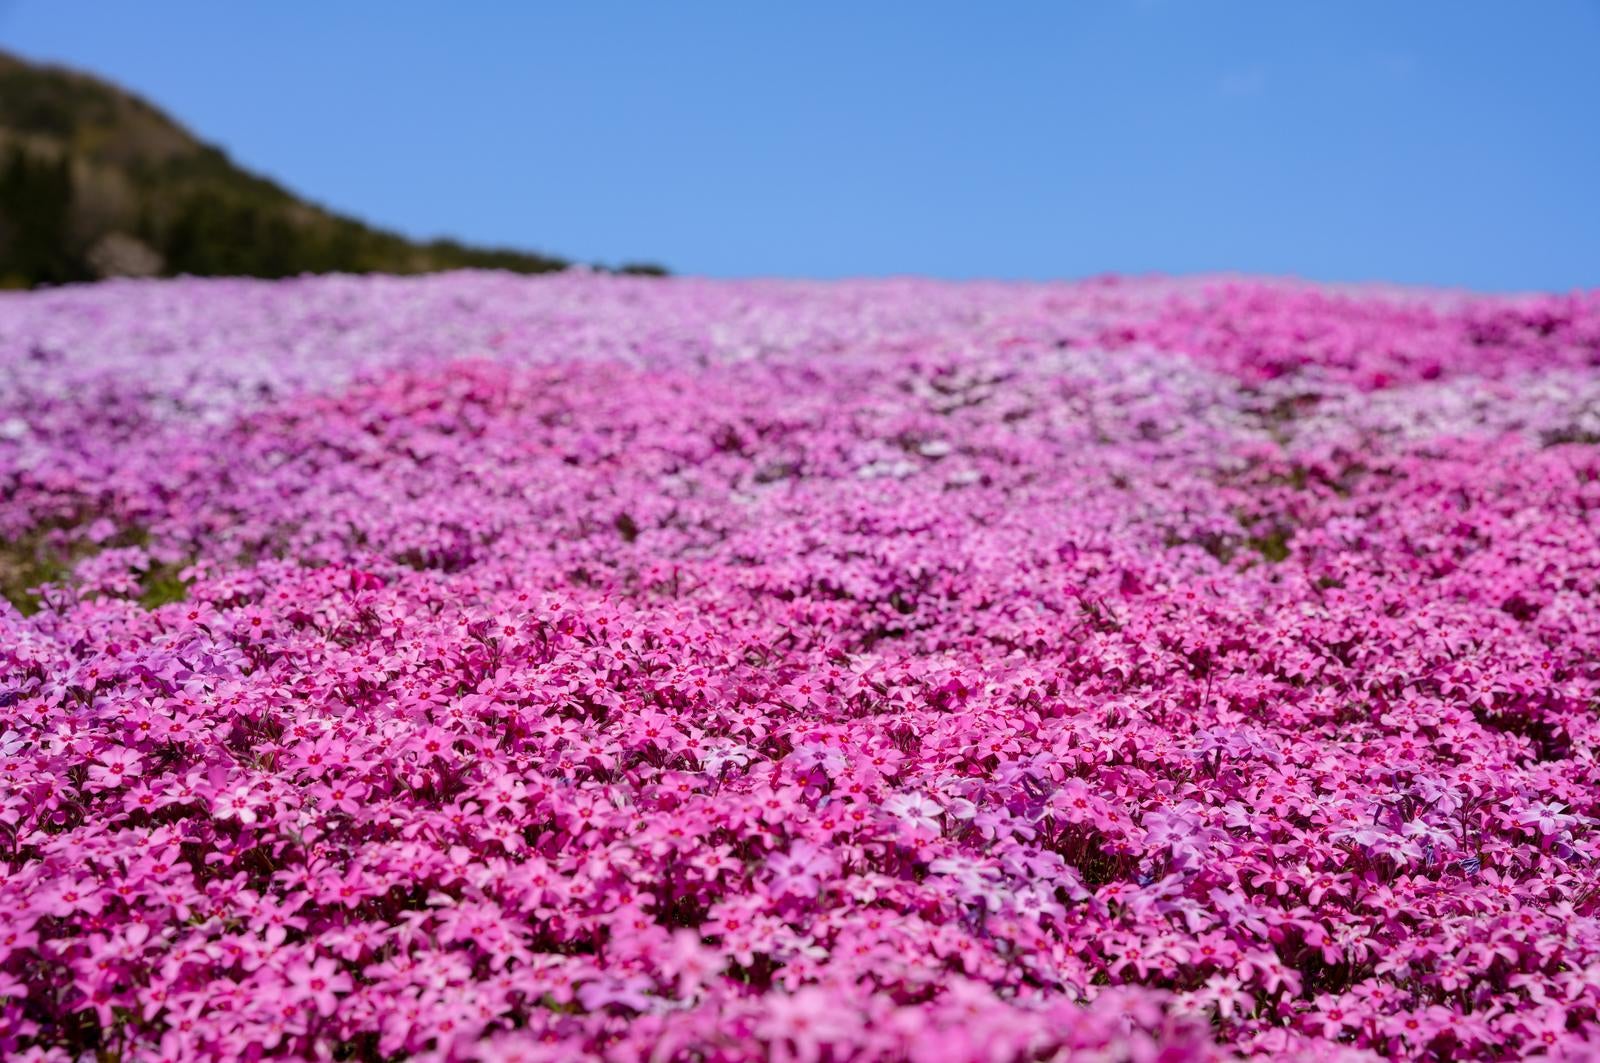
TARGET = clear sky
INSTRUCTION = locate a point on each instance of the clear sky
(1452, 143)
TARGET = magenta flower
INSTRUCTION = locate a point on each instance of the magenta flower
(317, 983)
(116, 767)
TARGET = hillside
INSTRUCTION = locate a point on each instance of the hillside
(96, 182)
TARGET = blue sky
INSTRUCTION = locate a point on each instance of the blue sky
(1424, 142)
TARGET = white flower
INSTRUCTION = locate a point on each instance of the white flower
(918, 810)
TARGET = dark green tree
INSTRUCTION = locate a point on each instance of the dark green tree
(36, 245)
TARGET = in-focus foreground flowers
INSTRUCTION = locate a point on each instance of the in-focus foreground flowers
(490, 668)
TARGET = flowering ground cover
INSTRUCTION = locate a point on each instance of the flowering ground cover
(477, 667)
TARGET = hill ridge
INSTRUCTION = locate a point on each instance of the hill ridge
(98, 181)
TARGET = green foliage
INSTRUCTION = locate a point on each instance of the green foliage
(41, 556)
(35, 220)
(25, 563)
(161, 586)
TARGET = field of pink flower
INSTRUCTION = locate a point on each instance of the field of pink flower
(490, 668)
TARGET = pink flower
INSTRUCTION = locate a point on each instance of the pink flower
(317, 982)
(338, 796)
(690, 962)
(117, 767)
(801, 1026)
